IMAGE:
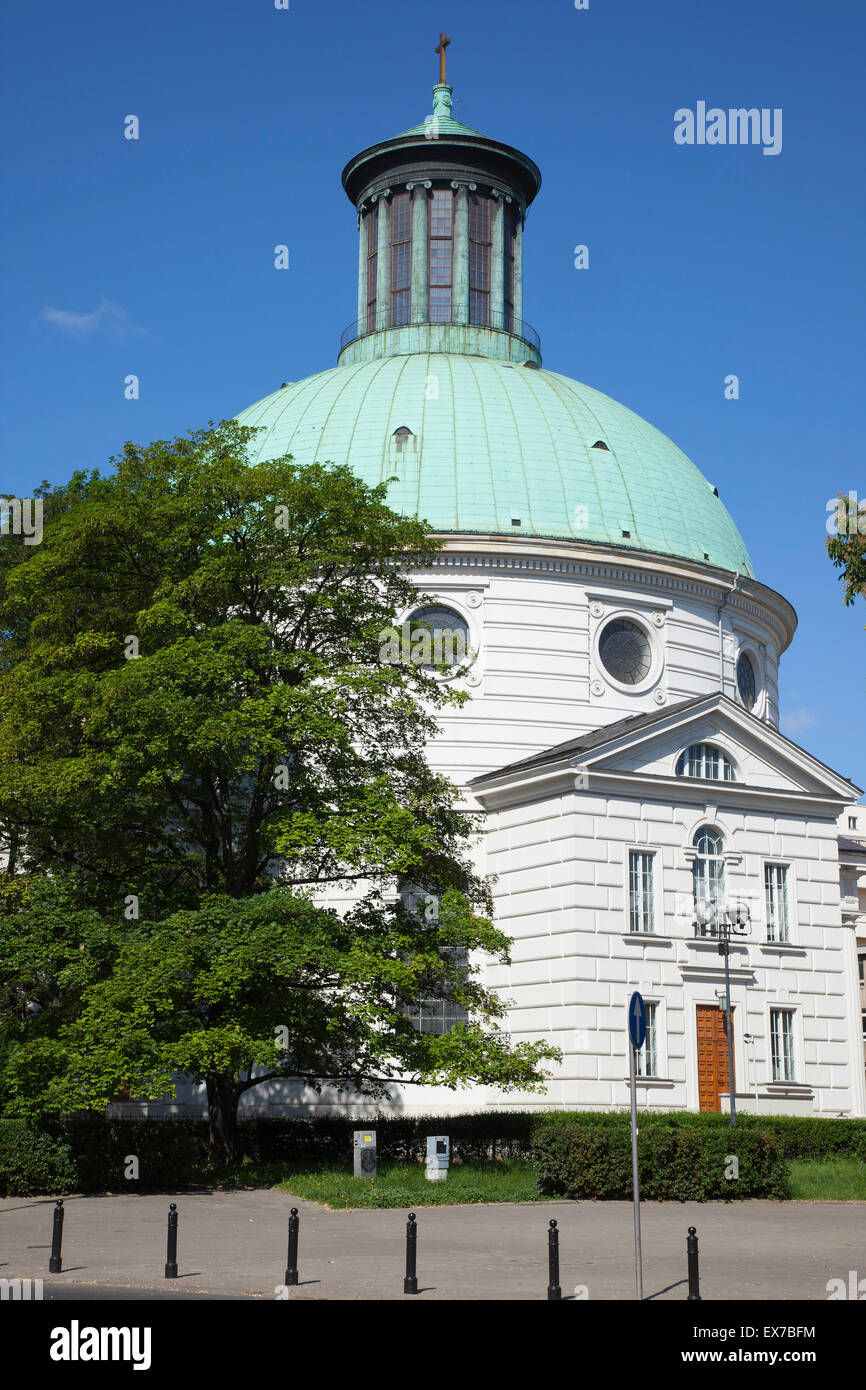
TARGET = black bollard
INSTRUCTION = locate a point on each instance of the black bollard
(292, 1266)
(694, 1272)
(410, 1283)
(171, 1250)
(55, 1264)
(554, 1292)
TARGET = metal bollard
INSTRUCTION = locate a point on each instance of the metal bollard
(410, 1283)
(171, 1251)
(55, 1264)
(694, 1272)
(554, 1292)
(292, 1266)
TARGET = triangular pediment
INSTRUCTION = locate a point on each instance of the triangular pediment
(648, 747)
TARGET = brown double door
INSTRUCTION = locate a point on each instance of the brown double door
(712, 1056)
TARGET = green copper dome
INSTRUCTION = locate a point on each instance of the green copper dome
(498, 448)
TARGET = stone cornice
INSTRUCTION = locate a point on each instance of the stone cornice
(594, 561)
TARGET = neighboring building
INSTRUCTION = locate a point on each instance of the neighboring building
(852, 890)
(623, 728)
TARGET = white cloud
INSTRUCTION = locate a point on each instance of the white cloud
(797, 722)
(106, 315)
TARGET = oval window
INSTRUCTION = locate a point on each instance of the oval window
(746, 683)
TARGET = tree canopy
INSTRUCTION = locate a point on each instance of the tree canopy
(205, 745)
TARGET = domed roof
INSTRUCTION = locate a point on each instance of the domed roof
(498, 448)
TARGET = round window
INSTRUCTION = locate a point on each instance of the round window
(439, 637)
(746, 683)
(625, 651)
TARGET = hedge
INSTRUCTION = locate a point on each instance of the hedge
(87, 1153)
(686, 1163)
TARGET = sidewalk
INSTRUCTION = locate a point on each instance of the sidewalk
(235, 1243)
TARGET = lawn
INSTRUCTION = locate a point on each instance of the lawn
(829, 1179)
(404, 1184)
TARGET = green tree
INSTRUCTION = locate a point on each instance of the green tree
(847, 547)
(198, 729)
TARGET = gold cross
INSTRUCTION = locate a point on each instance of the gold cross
(440, 49)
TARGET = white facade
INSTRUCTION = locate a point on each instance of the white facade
(562, 824)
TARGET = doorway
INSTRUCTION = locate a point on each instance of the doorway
(712, 1056)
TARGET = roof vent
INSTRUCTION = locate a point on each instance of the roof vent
(401, 436)
(627, 534)
(706, 556)
(533, 365)
(515, 521)
(600, 444)
(283, 385)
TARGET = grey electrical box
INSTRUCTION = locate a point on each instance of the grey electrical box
(364, 1146)
(438, 1157)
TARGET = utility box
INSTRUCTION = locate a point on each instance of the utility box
(364, 1145)
(438, 1157)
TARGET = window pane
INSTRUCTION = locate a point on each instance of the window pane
(441, 205)
(647, 1056)
(782, 1044)
(641, 891)
(440, 263)
(776, 895)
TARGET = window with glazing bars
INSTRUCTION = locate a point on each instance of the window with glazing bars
(776, 895)
(479, 259)
(703, 760)
(641, 891)
(647, 1059)
(372, 267)
(441, 220)
(401, 257)
(782, 1044)
(708, 875)
(509, 239)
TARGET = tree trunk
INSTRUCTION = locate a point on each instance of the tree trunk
(222, 1114)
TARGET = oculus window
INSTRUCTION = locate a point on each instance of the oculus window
(439, 637)
(625, 652)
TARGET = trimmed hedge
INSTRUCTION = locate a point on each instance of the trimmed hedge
(685, 1163)
(681, 1152)
(33, 1162)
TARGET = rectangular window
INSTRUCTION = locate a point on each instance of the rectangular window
(776, 896)
(479, 259)
(439, 255)
(852, 822)
(782, 1043)
(848, 884)
(647, 1063)
(372, 266)
(440, 1015)
(510, 236)
(641, 891)
(401, 258)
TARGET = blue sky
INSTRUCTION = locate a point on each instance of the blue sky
(155, 256)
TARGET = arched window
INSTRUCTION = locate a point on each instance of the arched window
(708, 879)
(703, 760)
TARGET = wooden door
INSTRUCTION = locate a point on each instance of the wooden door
(712, 1056)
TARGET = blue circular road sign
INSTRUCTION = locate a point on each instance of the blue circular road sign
(637, 1020)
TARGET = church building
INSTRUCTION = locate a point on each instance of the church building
(622, 735)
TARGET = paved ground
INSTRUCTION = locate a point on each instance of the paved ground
(234, 1244)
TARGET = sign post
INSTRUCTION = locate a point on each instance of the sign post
(637, 1038)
